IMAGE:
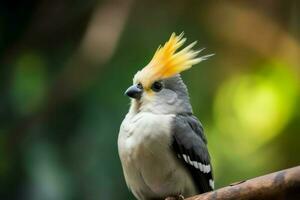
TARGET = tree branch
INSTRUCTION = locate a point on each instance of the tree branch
(284, 184)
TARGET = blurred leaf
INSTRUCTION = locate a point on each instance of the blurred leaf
(253, 108)
(47, 178)
(29, 83)
(250, 110)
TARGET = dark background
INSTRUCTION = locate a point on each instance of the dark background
(64, 66)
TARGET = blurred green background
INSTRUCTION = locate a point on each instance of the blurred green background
(65, 66)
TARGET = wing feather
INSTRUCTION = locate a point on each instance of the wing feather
(189, 146)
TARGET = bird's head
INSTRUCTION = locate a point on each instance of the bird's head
(158, 88)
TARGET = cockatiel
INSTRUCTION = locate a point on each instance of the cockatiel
(161, 143)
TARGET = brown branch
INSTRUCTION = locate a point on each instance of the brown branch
(284, 184)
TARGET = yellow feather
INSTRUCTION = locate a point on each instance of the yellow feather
(166, 62)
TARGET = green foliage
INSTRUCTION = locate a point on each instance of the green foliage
(29, 83)
(60, 112)
(250, 110)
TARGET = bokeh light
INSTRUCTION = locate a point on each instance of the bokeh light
(65, 66)
(256, 106)
(250, 110)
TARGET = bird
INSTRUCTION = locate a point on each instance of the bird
(161, 144)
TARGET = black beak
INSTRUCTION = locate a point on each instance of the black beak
(134, 92)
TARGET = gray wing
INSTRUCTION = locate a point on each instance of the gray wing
(189, 145)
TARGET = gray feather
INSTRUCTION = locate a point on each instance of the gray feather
(189, 144)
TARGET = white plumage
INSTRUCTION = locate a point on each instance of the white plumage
(149, 166)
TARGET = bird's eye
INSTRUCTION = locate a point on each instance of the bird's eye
(140, 86)
(157, 86)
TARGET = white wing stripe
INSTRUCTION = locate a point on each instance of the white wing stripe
(212, 183)
(202, 167)
(185, 158)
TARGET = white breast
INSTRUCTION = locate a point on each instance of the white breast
(149, 167)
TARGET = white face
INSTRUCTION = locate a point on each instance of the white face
(167, 96)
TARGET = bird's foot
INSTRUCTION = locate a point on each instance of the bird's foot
(177, 197)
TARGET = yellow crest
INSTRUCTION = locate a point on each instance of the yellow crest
(166, 62)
